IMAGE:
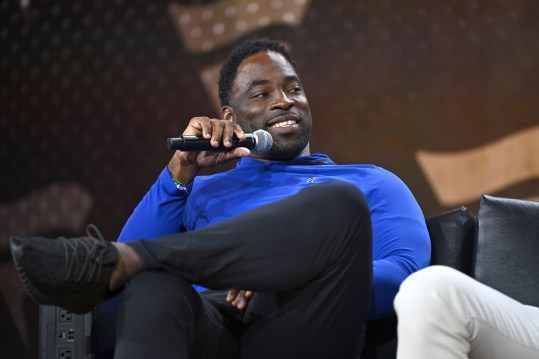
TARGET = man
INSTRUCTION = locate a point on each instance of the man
(300, 247)
(445, 314)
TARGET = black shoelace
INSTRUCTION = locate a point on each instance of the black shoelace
(94, 245)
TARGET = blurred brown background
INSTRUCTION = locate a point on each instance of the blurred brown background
(444, 94)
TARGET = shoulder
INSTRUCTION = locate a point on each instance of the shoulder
(382, 175)
(377, 176)
(385, 186)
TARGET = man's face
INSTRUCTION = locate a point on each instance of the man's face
(267, 94)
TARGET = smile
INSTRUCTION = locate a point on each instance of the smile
(286, 123)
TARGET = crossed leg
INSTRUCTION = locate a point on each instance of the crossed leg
(307, 257)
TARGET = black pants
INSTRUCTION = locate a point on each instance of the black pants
(307, 257)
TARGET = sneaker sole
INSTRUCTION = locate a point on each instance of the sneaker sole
(16, 253)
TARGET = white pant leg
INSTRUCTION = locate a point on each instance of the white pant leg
(444, 314)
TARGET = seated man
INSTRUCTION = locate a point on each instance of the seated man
(445, 314)
(297, 251)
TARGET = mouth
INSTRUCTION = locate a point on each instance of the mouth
(284, 121)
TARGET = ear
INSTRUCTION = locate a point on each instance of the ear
(227, 114)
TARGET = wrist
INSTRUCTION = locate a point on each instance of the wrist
(179, 185)
(181, 172)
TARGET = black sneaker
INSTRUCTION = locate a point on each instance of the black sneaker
(72, 273)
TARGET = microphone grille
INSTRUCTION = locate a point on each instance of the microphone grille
(264, 141)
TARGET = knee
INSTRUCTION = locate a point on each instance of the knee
(429, 290)
(344, 196)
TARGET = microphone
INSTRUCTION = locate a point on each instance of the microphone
(259, 141)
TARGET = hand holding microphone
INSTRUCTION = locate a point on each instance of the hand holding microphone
(259, 141)
(196, 150)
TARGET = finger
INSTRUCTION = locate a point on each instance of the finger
(228, 133)
(239, 302)
(198, 125)
(232, 294)
(242, 305)
(209, 159)
(206, 128)
(236, 153)
(238, 132)
(238, 298)
(246, 296)
(216, 132)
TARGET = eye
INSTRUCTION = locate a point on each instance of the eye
(295, 89)
(260, 95)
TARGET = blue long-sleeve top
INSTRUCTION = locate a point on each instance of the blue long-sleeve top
(401, 242)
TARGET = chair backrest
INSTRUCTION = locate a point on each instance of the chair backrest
(507, 247)
(452, 238)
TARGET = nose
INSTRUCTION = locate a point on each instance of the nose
(282, 101)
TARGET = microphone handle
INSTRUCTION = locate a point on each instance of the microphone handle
(199, 143)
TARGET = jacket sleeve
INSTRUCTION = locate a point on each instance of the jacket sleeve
(401, 242)
(159, 213)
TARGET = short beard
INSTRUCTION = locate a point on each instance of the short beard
(280, 151)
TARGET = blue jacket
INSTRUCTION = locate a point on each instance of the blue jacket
(401, 243)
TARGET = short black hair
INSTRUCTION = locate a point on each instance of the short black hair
(248, 48)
